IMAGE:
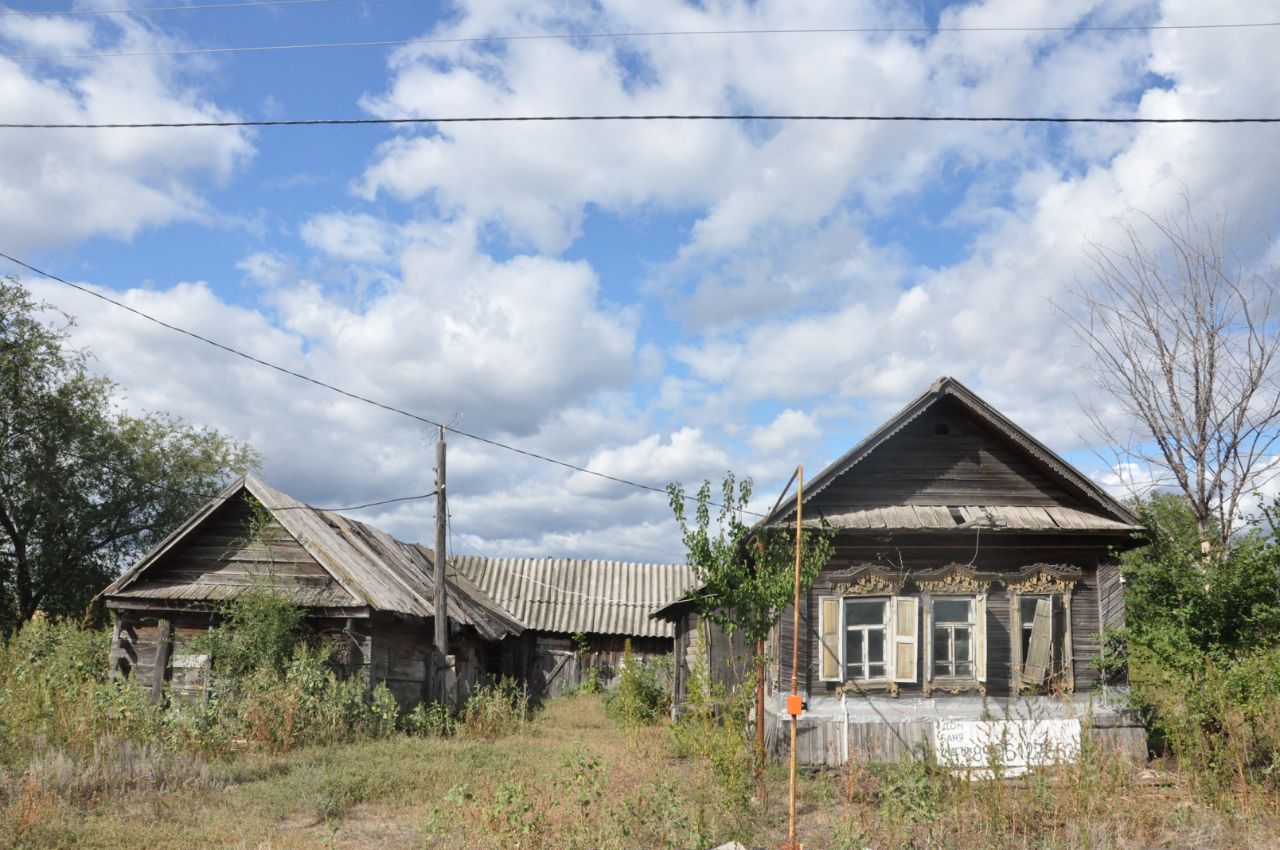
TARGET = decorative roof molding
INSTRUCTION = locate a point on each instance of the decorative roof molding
(867, 580)
(955, 578)
(1044, 579)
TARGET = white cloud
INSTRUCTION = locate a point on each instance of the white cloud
(786, 430)
(61, 186)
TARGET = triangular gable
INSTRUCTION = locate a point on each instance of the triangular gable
(372, 568)
(201, 560)
(914, 467)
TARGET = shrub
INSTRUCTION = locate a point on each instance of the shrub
(496, 709)
(642, 694)
(430, 720)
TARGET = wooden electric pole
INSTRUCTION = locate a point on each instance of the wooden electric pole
(441, 610)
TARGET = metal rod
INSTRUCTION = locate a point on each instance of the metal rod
(792, 844)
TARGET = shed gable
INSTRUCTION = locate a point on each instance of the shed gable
(233, 550)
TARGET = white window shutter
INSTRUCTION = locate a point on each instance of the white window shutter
(980, 638)
(829, 637)
(906, 638)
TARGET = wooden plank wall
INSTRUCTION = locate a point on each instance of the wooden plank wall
(222, 553)
(991, 552)
(966, 466)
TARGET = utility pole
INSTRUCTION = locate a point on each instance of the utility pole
(441, 610)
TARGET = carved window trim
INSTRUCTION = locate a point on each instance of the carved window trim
(867, 580)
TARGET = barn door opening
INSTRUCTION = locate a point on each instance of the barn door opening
(555, 668)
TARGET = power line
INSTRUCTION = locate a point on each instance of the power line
(403, 42)
(199, 7)
(347, 393)
(501, 119)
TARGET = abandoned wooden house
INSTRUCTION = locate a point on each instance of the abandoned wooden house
(578, 614)
(371, 592)
(975, 572)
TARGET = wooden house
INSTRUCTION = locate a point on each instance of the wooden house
(975, 572)
(578, 614)
(371, 592)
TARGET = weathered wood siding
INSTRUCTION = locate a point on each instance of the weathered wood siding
(989, 552)
(701, 642)
(965, 466)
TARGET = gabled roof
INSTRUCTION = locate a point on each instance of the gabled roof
(1105, 514)
(589, 596)
(371, 567)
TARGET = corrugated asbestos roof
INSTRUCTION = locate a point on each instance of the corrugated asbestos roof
(372, 567)
(998, 517)
(561, 595)
(1117, 516)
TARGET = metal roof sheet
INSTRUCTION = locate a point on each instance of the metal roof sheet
(563, 595)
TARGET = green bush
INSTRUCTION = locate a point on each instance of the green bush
(1203, 645)
(496, 709)
(643, 693)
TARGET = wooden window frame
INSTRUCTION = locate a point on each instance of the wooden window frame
(886, 627)
(1067, 675)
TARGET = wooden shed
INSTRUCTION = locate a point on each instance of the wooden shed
(578, 613)
(975, 571)
(357, 583)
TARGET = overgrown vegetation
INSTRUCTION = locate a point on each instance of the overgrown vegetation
(1203, 645)
(643, 692)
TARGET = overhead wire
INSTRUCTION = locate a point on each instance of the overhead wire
(405, 42)
(339, 390)
(499, 119)
(101, 464)
(193, 7)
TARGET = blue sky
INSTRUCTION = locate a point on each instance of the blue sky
(660, 301)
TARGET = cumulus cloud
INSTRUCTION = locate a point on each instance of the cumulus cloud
(61, 186)
(827, 271)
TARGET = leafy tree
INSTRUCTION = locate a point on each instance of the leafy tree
(1203, 642)
(84, 488)
(745, 575)
(1229, 605)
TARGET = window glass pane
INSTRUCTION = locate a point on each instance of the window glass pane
(875, 644)
(853, 653)
(875, 671)
(963, 644)
(865, 612)
(963, 669)
(952, 611)
(941, 643)
(1027, 608)
(942, 668)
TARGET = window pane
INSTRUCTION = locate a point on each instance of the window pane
(942, 668)
(952, 611)
(963, 669)
(865, 612)
(963, 644)
(875, 671)
(853, 653)
(875, 645)
(1027, 608)
(941, 643)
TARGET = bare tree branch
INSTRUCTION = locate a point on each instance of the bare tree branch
(1183, 341)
